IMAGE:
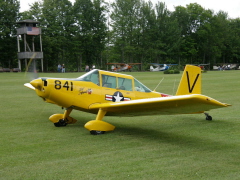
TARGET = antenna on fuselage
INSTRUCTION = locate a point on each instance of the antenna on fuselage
(158, 84)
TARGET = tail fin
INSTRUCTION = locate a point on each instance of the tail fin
(191, 81)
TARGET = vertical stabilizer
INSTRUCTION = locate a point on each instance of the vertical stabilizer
(191, 81)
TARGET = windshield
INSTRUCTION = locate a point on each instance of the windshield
(92, 76)
(140, 87)
(113, 82)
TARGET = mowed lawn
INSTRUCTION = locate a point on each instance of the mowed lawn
(150, 147)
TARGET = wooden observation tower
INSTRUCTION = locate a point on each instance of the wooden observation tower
(27, 49)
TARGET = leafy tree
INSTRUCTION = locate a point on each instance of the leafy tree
(204, 37)
(57, 30)
(220, 36)
(136, 31)
(124, 18)
(99, 30)
(34, 13)
(181, 15)
(194, 22)
(147, 25)
(233, 51)
(9, 12)
(168, 34)
(90, 26)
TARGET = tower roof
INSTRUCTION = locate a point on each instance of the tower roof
(28, 21)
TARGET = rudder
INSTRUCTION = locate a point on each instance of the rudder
(191, 81)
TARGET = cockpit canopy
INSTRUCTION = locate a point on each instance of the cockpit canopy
(114, 80)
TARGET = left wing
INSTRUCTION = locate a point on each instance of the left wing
(184, 104)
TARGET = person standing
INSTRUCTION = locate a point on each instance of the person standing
(112, 67)
(59, 68)
(87, 68)
(93, 66)
(63, 68)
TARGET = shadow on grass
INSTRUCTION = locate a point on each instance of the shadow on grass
(167, 135)
(191, 134)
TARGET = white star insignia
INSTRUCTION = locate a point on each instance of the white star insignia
(118, 98)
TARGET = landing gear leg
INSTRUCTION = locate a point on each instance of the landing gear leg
(98, 126)
(61, 120)
(64, 120)
(208, 117)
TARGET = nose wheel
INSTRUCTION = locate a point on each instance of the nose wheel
(208, 117)
(61, 123)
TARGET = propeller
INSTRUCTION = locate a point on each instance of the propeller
(32, 68)
(31, 71)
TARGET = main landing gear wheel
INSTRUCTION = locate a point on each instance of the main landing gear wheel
(208, 117)
(60, 123)
(93, 132)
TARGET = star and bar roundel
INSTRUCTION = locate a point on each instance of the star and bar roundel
(116, 97)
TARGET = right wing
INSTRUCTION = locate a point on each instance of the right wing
(182, 104)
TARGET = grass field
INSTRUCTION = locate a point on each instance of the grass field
(156, 147)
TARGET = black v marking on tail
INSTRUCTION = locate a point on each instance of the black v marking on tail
(190, 89)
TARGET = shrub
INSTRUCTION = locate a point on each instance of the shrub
(172, 71)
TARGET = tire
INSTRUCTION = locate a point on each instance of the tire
(93, 132)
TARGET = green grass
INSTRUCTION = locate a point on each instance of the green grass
(156, 147)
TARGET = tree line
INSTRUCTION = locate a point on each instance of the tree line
(124, 31)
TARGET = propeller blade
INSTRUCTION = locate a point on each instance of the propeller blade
(32, 75)
(31, 69)
(29, 86)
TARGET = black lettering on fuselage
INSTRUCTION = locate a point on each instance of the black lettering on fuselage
(190, 89)
(58, 85)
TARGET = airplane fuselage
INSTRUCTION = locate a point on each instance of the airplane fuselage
(82, 92)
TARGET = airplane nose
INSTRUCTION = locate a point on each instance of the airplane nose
(37, 83)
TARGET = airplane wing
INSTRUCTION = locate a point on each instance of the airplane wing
(183, 104)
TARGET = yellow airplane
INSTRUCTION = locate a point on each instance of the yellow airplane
(114, 94)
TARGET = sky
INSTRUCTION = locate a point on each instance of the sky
(232, 7)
